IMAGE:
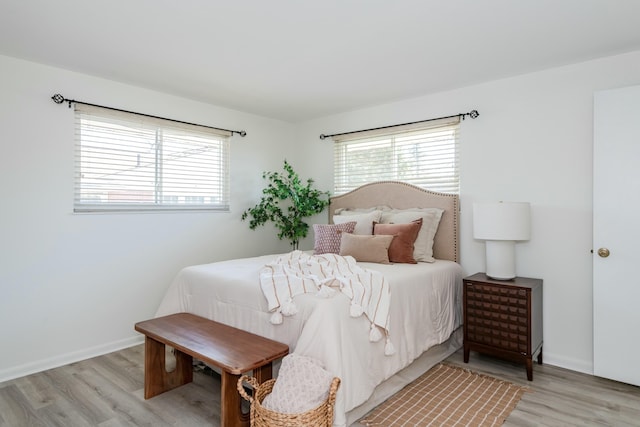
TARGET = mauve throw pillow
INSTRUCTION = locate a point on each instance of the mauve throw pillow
(401, 248)
(327, 236)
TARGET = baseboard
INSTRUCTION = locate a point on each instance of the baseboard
(65, 359)
(584, 366)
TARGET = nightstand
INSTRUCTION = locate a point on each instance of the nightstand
(503, 318)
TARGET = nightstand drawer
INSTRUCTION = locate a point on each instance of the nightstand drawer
(492, 292)
(498, 338)
(492, 310)
(512, 324)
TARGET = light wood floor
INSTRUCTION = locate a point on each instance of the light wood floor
(107, 391)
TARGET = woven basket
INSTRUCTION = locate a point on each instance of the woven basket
(321, 416)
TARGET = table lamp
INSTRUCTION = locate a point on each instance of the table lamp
(500, 225)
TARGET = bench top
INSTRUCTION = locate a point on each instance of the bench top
(231, 349)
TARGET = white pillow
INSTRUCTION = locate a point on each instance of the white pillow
(364, 221)
(423, 246)
(355, 211)
(302, 385)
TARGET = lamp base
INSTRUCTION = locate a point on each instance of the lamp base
(501, 259)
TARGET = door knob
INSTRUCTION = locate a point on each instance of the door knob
(603, 252)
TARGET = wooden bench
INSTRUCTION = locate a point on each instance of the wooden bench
(232, 350)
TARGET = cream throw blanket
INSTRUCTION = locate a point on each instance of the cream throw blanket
(298, 272)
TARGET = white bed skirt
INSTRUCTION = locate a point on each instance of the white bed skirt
(406, 376)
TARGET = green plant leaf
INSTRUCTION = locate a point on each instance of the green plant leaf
(285, 202)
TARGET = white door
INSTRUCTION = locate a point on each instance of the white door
(616, 229)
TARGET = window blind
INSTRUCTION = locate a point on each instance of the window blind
(423, 154)
(130, 162)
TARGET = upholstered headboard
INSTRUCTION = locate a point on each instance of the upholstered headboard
(400, 195)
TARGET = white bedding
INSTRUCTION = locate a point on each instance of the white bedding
(425, 309)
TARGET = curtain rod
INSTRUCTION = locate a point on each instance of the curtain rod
(59, 99)
(473, 114)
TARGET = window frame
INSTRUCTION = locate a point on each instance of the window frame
(190, 163)
(435, 146)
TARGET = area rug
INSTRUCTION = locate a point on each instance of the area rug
(448, 395)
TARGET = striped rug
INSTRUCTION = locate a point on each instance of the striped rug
(448, 396)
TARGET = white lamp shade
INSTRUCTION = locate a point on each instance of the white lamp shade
(502, 221)
(501, 224)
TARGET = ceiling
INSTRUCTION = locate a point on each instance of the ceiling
(296, 60)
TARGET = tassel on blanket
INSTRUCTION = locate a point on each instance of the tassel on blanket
(374, 334)
(288, 308)
(326, 291)
(276, 318)
(389, 349)
(356, 310)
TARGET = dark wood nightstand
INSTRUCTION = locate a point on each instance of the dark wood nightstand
(503, 318)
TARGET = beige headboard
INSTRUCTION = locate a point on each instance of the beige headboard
(400, 195)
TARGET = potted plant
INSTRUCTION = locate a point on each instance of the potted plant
(286, 201)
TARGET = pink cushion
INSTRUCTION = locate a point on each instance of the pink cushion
(327, 236)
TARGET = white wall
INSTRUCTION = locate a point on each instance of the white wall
(73, 285)
(532, 142)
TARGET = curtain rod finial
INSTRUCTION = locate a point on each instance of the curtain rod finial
(57, 98)
(323, 136)
(242, 133)
(473, 114)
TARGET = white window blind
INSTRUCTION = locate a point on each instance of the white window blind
(423, 154)
(130, 162)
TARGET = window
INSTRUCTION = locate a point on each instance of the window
(423, 154)
(130, 162)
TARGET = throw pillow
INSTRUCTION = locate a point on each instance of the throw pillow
(302, 385)
(327, 237)
(423, 246)
(401, 248)
(366, 248)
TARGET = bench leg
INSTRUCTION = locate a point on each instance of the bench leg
(231, 414)
(263, 373)
(156, 378)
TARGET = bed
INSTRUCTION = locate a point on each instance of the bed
(424, 313)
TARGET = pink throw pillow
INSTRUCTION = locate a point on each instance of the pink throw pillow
(327, 236)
